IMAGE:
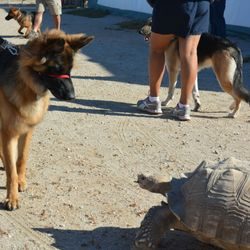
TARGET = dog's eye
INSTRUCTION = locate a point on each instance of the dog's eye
(56, 68)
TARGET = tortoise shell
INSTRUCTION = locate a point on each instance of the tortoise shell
(214, 202)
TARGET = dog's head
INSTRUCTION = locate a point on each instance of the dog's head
(13, 13)
(49, 60)
(146, 29)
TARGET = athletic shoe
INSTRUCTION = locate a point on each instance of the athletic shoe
(182, 113)
(150, 107)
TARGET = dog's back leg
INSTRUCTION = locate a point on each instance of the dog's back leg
(172, 63)
(196, 96)
(172, 81)
(224, 67)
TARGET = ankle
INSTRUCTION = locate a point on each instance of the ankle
(183, 105)
(154, 98)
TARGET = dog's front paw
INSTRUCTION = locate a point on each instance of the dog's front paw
(22, 185)
(11, 204)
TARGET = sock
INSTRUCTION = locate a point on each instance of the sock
(154, 98)
(183, 105)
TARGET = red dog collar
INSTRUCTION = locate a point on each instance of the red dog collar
(60, 76)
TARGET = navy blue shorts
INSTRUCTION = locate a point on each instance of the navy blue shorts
(181, 17)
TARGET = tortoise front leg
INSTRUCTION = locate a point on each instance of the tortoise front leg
(157, 221)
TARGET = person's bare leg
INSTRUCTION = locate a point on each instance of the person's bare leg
(38, 21)
(158, 44)
(57, 21)
(189, 66)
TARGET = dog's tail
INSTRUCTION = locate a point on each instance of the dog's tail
(238, 86)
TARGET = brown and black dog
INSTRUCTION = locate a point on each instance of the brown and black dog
(28, 73)
(24, 19)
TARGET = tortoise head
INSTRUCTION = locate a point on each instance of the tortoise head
(155, 184)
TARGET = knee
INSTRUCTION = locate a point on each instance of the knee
(188, 55)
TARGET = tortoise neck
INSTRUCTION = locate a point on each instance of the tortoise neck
(163, 188)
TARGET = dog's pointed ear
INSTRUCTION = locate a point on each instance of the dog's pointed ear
(78, 41)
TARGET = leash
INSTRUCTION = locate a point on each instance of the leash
(5, 45)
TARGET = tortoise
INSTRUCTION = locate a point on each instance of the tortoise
(212, 203)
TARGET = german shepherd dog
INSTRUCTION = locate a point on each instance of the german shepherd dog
(29, 72)
(220, 54)
(24, 19)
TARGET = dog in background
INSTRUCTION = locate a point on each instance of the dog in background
(29, 72)
(24, 19)
(220, 54)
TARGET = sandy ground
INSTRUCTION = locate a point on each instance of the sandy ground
(86, 154)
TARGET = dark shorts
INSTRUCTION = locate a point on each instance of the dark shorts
(181, 17)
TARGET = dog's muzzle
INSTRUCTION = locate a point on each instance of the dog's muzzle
(8, 18)
(61, 86)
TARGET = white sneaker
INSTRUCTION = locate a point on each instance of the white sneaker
(150, 107)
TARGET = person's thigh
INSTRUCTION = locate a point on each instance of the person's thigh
(159, 42)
